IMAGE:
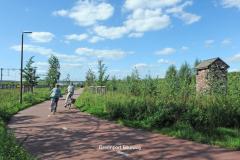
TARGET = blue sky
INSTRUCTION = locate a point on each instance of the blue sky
(147, 34)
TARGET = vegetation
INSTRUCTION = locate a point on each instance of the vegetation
(101, 79)
(9, 105)
(171, 106)
(29, 74)
(53, 71)
(90, 78)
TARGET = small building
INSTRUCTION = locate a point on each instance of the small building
(211, 76)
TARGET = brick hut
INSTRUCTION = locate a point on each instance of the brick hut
(211, 76)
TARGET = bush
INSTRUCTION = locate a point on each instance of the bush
(166, 116)
(9, 105)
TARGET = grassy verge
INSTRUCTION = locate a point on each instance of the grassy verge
(9, 105)
(99, 106)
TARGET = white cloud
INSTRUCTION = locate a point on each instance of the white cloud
(235, 58)
(95, 39)
(136, 24)
(110, 54)
(178, 11)
(147, 20)
(209, 43)
(226, 41)
(76, 37)
(61, 12)
(144, 16)
(41, 64)
(140, 65)
(135, 35)
(71, 65)
(135, 4)
(48, 52)
(87, 13)
(41, 37)
(166, 51)
(164, 61)
(110, 32)
(184, 48)
(231, 3)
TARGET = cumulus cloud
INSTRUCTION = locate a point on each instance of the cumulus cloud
(95, 39)
(87, 13)
(178, 11)
(109, 54)
(76, 37)
(41, 37)
(144, 16)
(147, 20)
(164, 61)
(231, 3)
(140, 65)
(48, 52)
(209, 42)
(226, 41)
(166, 51)
(110, 32)
(184, 48)
(135, 4)
(71, 65)
(135, 35)
(141, 16)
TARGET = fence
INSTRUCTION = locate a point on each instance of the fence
(26, 88)
(98, 89)
(8, 86)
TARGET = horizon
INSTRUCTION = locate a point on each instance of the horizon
(124, 34)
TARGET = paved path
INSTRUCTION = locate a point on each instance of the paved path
(72, 135)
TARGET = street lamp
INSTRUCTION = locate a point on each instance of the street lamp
(21, 70)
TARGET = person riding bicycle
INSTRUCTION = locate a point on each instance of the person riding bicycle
(55, 95)
(70, 91)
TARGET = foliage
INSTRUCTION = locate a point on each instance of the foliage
(90, 78)
(102, 77)
(29, 74)
(169, 104)
(9, 105)
(53, 74)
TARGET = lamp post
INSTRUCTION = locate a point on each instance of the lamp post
(21, 70)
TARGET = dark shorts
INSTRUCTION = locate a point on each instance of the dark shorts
(55, 100)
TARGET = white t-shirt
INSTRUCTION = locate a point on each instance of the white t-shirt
(70, 89)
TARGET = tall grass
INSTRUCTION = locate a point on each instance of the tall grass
(9, 105)
(172, 106)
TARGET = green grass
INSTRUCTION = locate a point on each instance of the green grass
(223, 137)
(9, 105)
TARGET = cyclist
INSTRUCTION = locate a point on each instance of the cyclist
(55, 95)
(70, 93)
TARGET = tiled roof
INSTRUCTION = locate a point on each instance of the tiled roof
(206, 63)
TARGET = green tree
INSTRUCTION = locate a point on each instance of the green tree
(172, 80)
(29, 74)
(102, 77)
(53, 74)
(114, 83)
(185, 79)
(196, 63)
(134, 82)
(90, 78)
(150, 87)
